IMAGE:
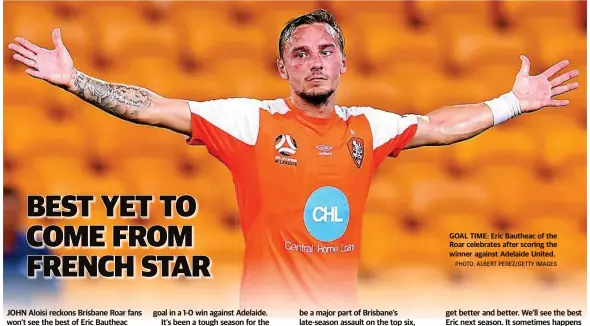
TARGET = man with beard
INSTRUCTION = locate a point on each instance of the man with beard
(302, 165)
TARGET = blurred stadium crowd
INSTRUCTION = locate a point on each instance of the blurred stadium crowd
(528, 175)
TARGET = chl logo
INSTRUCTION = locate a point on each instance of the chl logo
(326, 214)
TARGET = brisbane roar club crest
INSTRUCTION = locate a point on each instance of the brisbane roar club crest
(356, 148)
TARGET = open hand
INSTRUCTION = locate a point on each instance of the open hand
(54, 66)
(536, 92)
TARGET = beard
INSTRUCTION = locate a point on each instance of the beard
(316, 97)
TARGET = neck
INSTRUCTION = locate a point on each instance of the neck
(323, 110)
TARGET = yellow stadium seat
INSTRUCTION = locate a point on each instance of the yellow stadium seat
(404, 52)
(264, 86)
(111, 137)
(563, 145)
(446, 19)
(501, 145)
(428, 154)
(75, 175)
(549, 118)
(29, 131)
(208, 45)
(577, 107)
(474, 49)
(420, 184)
(209, 232)
(22, 89)
(570, 252)
(72, 175)
(19, 18)
(497, 79)
(208, 85)
(387, 243)
(388, 197)
(406, 171)
(555, 46)
(159, 74)
(374, 23)
(455, 227)
(26, 180)
(439, 90)
(527, 15)
(199, 15)
(355, 48)
(163, 176)
(537, 23)
(271, 17)
(349, 12)
(565, 193)
(226, 70)
(447, 223)
(77, 33)
(514, 189)
(462, 196)
(122, 34)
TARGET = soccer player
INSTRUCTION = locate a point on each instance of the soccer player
(302, 165)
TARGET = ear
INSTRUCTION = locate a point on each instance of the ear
(344, 64)
(282, 69)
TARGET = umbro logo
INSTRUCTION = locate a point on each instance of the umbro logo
(324, 150)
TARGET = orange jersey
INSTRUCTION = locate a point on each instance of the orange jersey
(301, 185)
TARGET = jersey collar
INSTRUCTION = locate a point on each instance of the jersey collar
(300, 115)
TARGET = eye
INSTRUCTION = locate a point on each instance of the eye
(326, 52)
(300, 55)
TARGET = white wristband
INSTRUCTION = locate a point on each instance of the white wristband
(504, 107)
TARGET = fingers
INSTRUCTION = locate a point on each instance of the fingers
(22, 51)
(556, 103)
(56, 36)
(563, 89)
(525, 67)
(28, 45)
(555, 68)
(34, 73)
(565, 77)
(27, 62)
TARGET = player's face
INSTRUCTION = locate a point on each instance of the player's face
(313, 62)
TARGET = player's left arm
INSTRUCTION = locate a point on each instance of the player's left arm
(452, 124)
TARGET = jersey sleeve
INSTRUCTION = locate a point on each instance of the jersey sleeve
(391, 132)
(225, 127)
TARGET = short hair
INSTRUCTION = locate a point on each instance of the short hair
(316, 16)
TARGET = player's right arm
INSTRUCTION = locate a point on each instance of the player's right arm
(131, 103)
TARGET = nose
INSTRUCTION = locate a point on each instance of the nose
(316, 63)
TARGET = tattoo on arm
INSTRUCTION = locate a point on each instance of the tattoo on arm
(123, 101)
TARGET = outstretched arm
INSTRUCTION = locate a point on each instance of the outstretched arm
(452, 124)
(131, 103)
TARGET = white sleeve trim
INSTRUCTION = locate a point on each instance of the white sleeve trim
(385, 126)
(239, 117)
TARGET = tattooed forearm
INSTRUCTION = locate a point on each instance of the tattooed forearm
(124, 101)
